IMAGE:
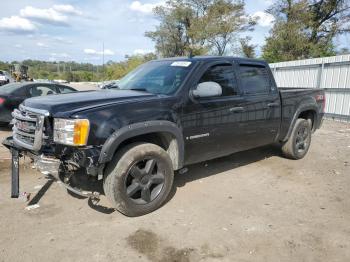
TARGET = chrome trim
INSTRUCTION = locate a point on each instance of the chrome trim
(46, 165)
(22, 133)
(17, 114)
(34, 110)
(38, 117)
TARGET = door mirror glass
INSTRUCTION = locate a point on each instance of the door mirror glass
(207, 89)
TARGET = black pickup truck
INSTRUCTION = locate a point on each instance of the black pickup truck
(162, 116)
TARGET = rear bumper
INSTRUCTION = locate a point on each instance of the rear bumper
(2, 82)
(319, 122)
(5, 115)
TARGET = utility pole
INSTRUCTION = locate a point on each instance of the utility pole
(103, 61)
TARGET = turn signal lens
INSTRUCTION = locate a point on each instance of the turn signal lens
(2, 100)
(74, 132)
(81, 132)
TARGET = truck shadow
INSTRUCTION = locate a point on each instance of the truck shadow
(197, 172)
(219, 165)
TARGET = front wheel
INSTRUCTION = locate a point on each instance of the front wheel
(4, 124)
(299, 142)
(139, 179)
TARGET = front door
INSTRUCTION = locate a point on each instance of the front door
(211, 124)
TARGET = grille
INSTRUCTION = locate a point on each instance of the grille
(28, 127)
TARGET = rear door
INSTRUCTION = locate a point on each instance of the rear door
(262, 114)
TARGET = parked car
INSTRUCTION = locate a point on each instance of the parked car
(5, 78)
(165, 115)
(109, 85)
(12, 95)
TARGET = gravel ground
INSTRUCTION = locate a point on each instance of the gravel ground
(250, 206)
(84, 86)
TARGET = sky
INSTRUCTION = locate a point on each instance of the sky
(75, 30)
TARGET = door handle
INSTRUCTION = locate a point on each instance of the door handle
(273, 104)
(236, 109)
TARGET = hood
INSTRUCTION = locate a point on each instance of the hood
(79, 101)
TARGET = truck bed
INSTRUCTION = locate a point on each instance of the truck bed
(294, 99)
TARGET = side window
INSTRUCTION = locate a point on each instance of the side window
(224, 76)
(42, 91)
(64, 89)
(255, 79)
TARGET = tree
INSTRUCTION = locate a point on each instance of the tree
(120, 69)
(192, 27)
(327, 19)
(247, 49)
(175, 35)
(305, 28)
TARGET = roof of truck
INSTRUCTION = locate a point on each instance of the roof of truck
(208, 58)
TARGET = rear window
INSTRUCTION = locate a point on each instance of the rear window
(1, 73)
(255, 79)
(65, 89)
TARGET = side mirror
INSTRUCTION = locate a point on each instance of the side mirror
(207, 89)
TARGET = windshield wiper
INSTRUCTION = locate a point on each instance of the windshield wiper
(138, 89)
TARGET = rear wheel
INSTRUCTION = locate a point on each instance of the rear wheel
(299, 142)
(139, 179)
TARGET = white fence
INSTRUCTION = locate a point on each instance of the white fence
(331, 73)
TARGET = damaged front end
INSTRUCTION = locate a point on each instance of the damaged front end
(33, 136)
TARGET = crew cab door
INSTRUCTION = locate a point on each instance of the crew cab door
(262, 114)
(211, 124)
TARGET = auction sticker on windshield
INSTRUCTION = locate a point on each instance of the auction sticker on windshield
(181, 63)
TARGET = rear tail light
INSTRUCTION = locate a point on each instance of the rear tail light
(2, 100)
(322, 98)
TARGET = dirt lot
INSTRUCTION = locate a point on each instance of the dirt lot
(252, 206)
(84, 86)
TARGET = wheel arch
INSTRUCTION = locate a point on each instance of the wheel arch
(306, 112)
(162, 133)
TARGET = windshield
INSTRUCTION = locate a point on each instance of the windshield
(10, 88)
(158, 77)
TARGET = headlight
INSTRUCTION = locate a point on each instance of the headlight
(74, 132)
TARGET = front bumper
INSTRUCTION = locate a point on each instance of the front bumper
(46, 165)
(50, 165)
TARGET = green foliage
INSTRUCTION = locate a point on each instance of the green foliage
(118, 70)
(194, 27)
(247, 49)
(78, 72)
(305, 28)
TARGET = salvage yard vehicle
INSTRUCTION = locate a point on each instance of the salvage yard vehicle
(12, 95)
(5, 78)
(163, 116)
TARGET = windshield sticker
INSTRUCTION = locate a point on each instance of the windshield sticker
(181, 63)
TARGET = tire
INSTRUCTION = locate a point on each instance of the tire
(139, 179)
(299, 142)
(4, 124)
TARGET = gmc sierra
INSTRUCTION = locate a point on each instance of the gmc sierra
(162, 116)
